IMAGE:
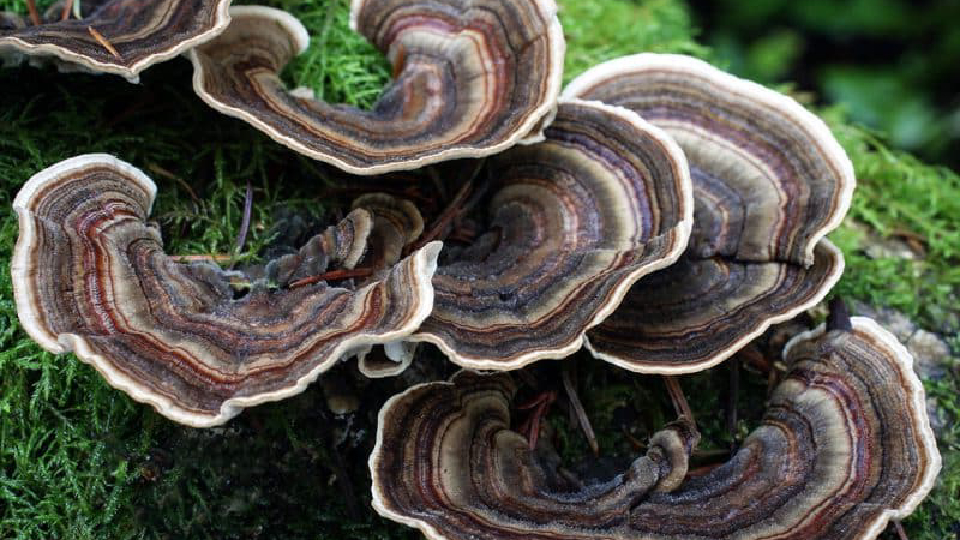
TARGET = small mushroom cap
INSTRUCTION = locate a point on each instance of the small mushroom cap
(142, 33)
(473, 77)
(342, 246)
(845, 446)
(388, 361)
(573, 222)
(90, 276)
(396, 223)
(699, 312)
(770, 179)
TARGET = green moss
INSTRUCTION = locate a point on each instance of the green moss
(897, 195)
(339, 65)
(81, 460)
(597, 31)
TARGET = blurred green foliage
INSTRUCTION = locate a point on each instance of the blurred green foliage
(892, 63)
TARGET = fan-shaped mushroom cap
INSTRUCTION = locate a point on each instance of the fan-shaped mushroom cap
(141, 33)
(845, 446)
(769, 182)
(473, 77)
(342, 245)
(573, 222)
(397, 222)
(90, 276)
(698, 312)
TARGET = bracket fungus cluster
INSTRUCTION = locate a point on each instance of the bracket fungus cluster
(123, 37)
(845, 446)
(770, 182)
(91, 277)
(661, 212)
(573, 222)
(472, 78)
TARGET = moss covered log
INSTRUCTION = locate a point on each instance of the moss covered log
(81, 460)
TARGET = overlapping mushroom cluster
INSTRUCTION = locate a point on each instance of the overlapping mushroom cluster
(123, 37)
(660, 212)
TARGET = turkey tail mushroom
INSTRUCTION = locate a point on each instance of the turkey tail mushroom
(770, 181)
(473, 77)
(573, 221)
(90, 276)
(123, 37)
(845, 446)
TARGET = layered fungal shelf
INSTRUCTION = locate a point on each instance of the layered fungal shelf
(658, 213)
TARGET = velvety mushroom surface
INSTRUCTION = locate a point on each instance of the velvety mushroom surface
(845, 445)
(472, 77)
(397, 223)
(90, 276)
(770, 181)
(572, 222)
(116, 36)
(698, 312)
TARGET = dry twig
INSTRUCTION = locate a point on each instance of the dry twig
(679, 400)
(245, 220)
(332, 275)
(183, 183)
(34, 14)
(531, 425)
(900, 532)
(580, 413)
(67, 9)
(103, 41)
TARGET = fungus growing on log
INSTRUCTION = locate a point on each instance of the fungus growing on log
(90, 276)
(845, 446)
(123, 37)
(472, 78)
(572, 222)
(770, 182)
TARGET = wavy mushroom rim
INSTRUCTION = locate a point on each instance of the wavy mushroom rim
(132, 72)
(424, 265)
(373, 462)
(733, 349)
(396, 351)
(917, 398)
(19, 263)
(531, 132)
(902, 360)
(526, 133)
(725, 82)
(379, 372)
(681, 230)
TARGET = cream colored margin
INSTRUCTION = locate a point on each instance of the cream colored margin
(377, 500)
(425, 264)
(131, 73)
(20, 265)
(682, 230)
(917, 401)
(725, 83)
(300, 38)
(694, 367)
(915, 397)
